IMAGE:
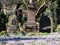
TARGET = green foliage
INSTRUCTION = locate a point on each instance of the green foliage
(34, 44)
(3, 21)
(23, 7)
(11, 2)
(57, 28)
(21, 18)
(32, 33)
(3, 18)
(40, 3)
(47, 12)
(4, 33)
(54, 8)
(23, 44)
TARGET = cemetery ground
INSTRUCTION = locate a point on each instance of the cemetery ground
(30, 38)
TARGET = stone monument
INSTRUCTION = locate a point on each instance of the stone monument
(13, 26)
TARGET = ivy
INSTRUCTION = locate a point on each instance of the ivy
(54, 8)
(23, 7)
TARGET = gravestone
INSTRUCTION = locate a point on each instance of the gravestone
(13, 25)
(45, 24)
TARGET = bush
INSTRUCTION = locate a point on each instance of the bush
(3, 21)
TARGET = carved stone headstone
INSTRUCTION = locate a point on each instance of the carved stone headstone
(45, 25)
(13, 25)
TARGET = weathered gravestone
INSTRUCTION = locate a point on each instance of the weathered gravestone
(13, 26)
(45, 24)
